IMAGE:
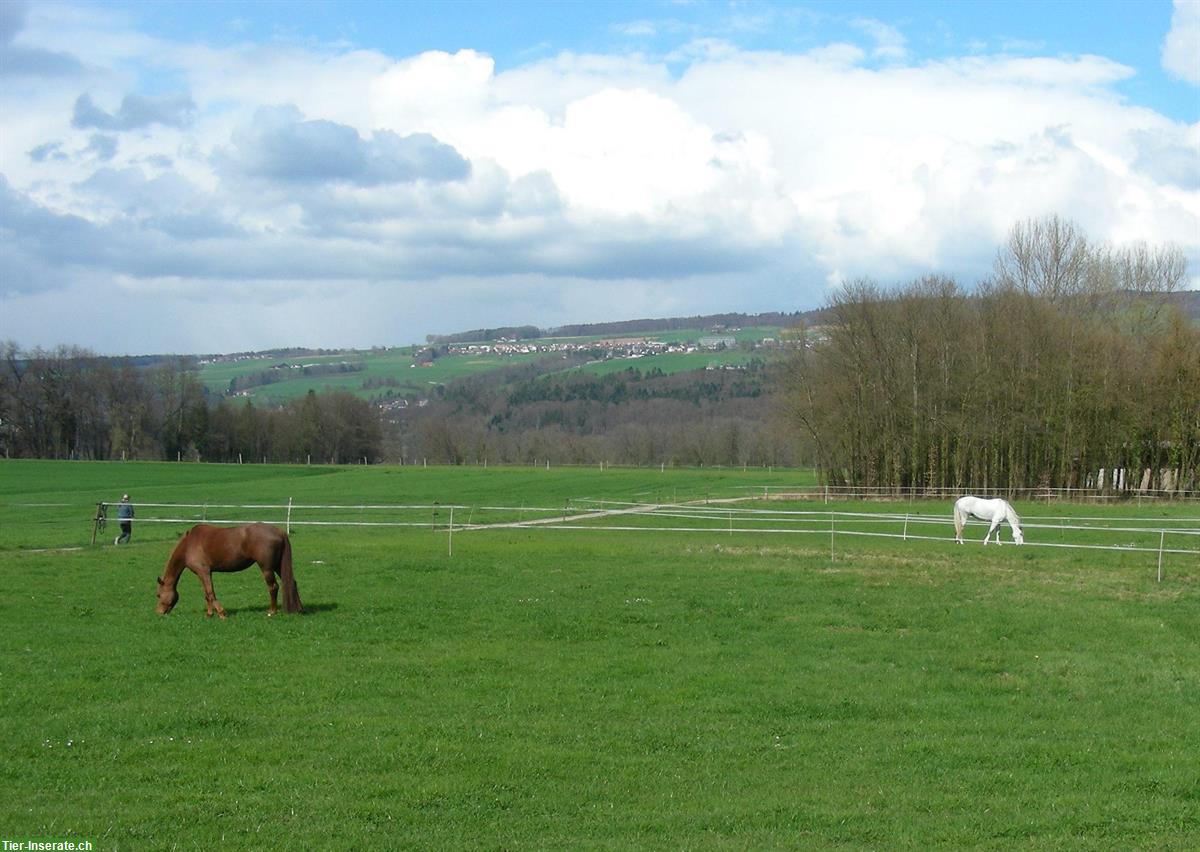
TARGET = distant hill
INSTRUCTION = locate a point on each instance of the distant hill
(637, 326)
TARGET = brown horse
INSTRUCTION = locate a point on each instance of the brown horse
(205, 548)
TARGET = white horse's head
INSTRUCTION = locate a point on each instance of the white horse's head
(1014, 521)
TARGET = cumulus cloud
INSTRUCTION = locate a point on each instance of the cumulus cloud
(1170, 157)
(47, 151)
(136, 111)
(433, 189)
(279, 144)
(17, 60)
(102, 147)
(890, 43)
(1181, 50)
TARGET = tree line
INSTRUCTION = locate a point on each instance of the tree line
(702, 417)
(68, 403)
(1065, 362)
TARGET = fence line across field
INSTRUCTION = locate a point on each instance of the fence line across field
(723, 513)
(822, 517)
(1038, 494)
(717, 505)
(720, 514)
(844, 532)
(697, 510)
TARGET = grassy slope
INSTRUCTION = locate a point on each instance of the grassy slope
(397, 364)
(607, 690)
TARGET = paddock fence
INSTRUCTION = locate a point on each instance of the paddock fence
(1162, 535)
(833, 493)
(1160, 528)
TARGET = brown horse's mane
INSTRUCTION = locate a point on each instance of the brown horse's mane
(206, 548)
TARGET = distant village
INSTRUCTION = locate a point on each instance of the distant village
(619, 347)
(623, 347)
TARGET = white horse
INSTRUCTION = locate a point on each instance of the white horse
(995, 512)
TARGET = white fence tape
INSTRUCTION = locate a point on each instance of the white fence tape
(715, 517)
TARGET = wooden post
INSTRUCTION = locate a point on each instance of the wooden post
(1162, 534)
(288, 529)
(450, 546)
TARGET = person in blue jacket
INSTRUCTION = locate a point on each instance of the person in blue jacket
(125, 516)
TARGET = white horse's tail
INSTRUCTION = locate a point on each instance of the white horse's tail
(960, 520)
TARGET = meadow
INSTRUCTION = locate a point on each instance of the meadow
(586, 688)
(395, 370)
(378, 367)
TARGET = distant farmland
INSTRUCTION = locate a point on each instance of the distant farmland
(402, 372)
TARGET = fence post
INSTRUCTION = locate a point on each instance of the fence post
(1162, 534)
(450, 550)
(288, 525)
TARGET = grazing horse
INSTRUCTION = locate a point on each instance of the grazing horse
(995, 512)
(205, 548)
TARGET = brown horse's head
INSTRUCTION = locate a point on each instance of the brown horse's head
(168, 596)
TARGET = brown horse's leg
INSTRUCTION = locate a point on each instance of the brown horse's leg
(272, 587)
(210, 597)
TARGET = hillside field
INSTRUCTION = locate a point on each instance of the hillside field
(611, 689)
(395, 371)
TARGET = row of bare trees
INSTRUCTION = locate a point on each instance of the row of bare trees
(68, 403)
(1068, 360)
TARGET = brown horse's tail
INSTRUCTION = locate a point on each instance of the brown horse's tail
(291, 594)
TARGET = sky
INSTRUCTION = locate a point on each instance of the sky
(203, 177)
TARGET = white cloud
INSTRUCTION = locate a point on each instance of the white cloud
(890, 43)
(407, 195)
(1181, 50)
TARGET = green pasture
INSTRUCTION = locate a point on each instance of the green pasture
(590, 688)
(398, 365)
(393, 364)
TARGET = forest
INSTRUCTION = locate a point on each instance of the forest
(702, 417)
(1068, 361)
(68, 403)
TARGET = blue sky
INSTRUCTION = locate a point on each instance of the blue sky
(423, 167)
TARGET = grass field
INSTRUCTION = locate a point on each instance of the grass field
(586, 689)
(393, 364)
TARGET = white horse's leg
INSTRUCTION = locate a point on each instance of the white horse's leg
(958, 525)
